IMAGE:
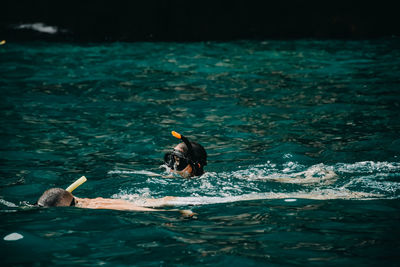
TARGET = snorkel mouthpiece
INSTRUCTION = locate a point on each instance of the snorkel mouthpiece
(76, 184)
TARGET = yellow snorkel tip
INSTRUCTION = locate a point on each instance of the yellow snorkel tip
(77, 183)
(176, 135)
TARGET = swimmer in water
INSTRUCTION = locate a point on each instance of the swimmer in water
(187, 158)
(58, 197)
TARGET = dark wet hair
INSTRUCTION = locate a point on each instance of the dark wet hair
(198, 157)
(56, 197)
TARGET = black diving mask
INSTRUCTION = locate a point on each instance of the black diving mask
(176, 160)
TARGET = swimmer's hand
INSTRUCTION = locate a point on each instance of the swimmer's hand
(188, 214)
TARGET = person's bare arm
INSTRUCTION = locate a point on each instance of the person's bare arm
(120, 204)
(109, 203)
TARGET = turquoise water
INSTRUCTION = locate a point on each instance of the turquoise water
(302, 137)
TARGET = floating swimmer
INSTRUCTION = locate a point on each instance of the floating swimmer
(187, 159)
(58, 197)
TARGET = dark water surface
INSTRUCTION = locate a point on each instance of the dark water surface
(302, 137)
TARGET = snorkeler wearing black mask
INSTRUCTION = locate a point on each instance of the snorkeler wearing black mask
(187, 159)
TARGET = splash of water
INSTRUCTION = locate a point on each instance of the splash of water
(7, 203)
(291, 180)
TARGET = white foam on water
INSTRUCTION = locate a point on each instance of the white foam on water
(13, 237)
(326, 194)
(8, 204)
(368, 167)
(361, 180)
(39, 27)
(379, 177)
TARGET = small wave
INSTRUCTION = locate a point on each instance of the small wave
(8, 204)
(39, 27)
(368, 167)
(364, 180)
(13, 237)
(327, 194)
